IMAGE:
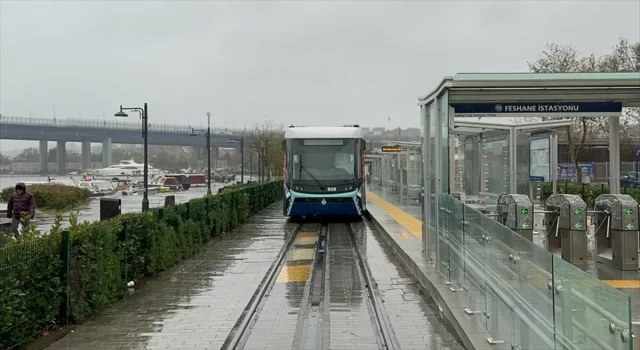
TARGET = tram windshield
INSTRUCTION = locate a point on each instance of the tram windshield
(330, 160)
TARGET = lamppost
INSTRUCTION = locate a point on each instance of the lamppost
(145, 123)
(241, 157)
(208, 136)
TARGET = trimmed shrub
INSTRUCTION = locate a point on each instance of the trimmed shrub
(105, 255)
(589, 193)
(52, 196)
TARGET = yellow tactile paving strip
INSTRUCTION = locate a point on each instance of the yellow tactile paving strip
(411, 224)
(299, 272)
(414, 227)
(294, 273)
(305, 240)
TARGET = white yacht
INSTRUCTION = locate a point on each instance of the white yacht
(125, 168)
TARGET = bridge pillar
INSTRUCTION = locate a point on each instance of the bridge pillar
(44, 153)
(62, 157)
(106, 152)
(86, 155)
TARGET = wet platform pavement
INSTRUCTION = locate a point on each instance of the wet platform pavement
(196, 304)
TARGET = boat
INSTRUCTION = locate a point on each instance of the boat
(97, 188)
(166, 183)
(182, 179)
(197, 180)
(224, 178)
(126, 187)
(125, 168)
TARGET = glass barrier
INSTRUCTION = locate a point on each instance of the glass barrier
(523, 296)
(588, 312)
(113, 125)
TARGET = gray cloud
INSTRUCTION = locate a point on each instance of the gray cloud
(328, 62)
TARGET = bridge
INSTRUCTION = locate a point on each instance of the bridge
(107, 132)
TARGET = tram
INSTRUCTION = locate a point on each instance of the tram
(324, 172)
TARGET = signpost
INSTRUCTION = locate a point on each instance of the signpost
(392, 149)
(537, 109)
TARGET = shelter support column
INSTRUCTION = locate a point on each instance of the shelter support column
(106, 152)
(61, 157)
(424, 117)
(554, 163)
(86, 155)
(44, 153)
(513, 166)
(478, 162)
(614, 155)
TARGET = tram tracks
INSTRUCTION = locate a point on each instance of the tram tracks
(326, 301)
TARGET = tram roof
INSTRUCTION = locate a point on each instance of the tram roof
(323, 132)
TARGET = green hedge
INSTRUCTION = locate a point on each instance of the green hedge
(589, 194)
(104, 256)
(52, 196)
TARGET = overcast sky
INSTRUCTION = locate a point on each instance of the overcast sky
(302, 62)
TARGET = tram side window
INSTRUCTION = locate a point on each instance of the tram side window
(296, 167)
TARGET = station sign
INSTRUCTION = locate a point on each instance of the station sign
(537, 109)
(392, 149)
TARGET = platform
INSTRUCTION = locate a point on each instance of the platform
(402, 223)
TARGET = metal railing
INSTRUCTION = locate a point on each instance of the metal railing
(524, 296)
(110, 125)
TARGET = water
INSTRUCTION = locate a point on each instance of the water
(91, 211)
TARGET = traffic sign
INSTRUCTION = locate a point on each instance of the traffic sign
(629, 211)
(524, 211)
(577, 211)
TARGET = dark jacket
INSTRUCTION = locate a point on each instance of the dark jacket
(18, 204)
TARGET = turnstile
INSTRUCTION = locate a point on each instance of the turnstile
(566, 225)
(616, 222)
(515, 211)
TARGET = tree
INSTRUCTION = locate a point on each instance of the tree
(4, 160)
(566, 59)
(266, 140)
(28, 155)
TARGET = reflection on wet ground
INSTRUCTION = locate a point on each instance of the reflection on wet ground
(414, 317)
(350, 322)
(275, 327)
(195, 304)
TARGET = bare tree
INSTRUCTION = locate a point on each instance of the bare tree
(566, 59)
(265, 140)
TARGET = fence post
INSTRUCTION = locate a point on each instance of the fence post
(64, 274)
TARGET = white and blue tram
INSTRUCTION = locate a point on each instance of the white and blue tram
(324, 172)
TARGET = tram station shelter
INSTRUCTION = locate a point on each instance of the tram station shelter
(476, 255)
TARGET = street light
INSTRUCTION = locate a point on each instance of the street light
(241, 157)
(145, 123)
(208, 136)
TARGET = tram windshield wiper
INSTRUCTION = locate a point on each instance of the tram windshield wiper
(310, 175)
